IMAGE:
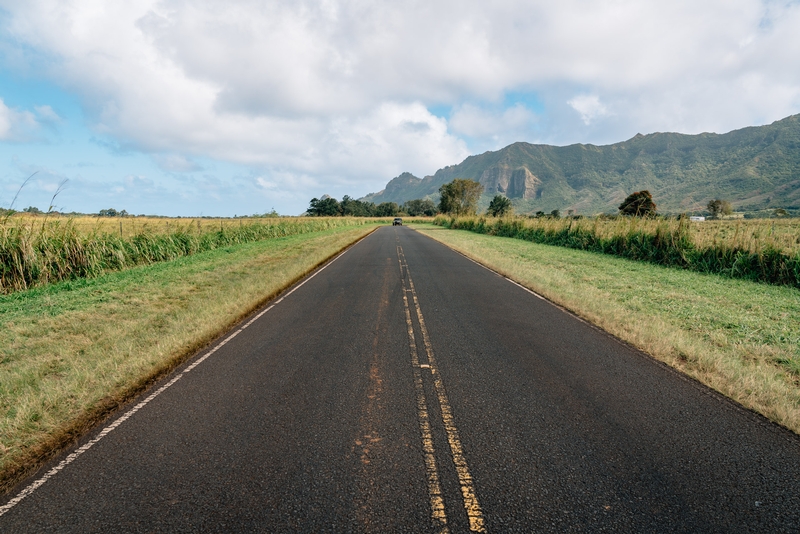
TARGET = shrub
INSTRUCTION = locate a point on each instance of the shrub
(638, 204)
(499, 206)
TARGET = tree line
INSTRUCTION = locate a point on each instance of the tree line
(460, 197)
(350, 207)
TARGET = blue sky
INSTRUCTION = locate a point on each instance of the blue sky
(238, 107)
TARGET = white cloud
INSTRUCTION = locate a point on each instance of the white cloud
(389, 136)
(490, 123)
(336, 92)
(589, 107)
(16, 125)
(176, 163)
(47, 114)
(266, 183)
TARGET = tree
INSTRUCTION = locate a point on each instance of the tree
(499, 206)
(418, 207)
(638, 204)
(266, 215)
(348, 206)
(555, 214)
(387, 209)
(356, 208)
(719, 207)
(460, 197)
(324, 207)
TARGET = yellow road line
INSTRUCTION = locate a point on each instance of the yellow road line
(434, 487)
(471, 505)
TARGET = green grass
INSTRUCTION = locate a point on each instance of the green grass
(749, 250)
(739, 337)
(34, 253)
(71, 352)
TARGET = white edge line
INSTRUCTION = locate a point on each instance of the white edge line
(501, 275)
(535, 294)
(36, 484)
(755, 416)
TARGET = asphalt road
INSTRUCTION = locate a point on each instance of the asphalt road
(404, 388)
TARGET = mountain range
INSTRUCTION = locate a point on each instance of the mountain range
(754, 168)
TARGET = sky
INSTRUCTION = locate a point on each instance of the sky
(223, 108)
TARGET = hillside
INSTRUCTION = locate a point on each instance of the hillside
(755, 168)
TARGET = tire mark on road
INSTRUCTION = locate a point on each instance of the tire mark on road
(369, 443)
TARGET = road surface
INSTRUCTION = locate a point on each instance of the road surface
(404, 388)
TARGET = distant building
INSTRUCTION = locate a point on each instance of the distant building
(697, 218)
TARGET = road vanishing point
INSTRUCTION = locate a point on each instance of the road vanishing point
(404, 388)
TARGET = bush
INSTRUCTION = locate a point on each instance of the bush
(419, 207)
(638, 204)
(499, 206)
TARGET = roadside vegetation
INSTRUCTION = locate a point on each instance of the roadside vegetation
(349, 207)
(638, 204)
(759, 250)
(73, 351)
(36, 251)
(499, 206)
(738, 337)
(460, 197)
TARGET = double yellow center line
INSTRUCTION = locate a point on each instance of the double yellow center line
(438, 513)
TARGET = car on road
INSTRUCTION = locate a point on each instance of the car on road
(398, 221)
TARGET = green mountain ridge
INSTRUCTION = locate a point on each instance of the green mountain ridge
(754, 168)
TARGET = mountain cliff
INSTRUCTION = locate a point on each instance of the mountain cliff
(754, 168)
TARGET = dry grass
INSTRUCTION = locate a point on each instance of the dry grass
(751, 235)
(738, 337)
(36, 251)
(130, 226)
(72, 352)
(766, 250)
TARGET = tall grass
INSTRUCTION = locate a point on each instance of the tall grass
(34, 253)
(738, 337)
(64, 365)
(748, 250)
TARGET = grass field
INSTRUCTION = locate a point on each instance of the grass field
(127, 227)
(752, 235)
(739, 337)
(35, 251)
(72, 352)
(130, 226)
(763, 250)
